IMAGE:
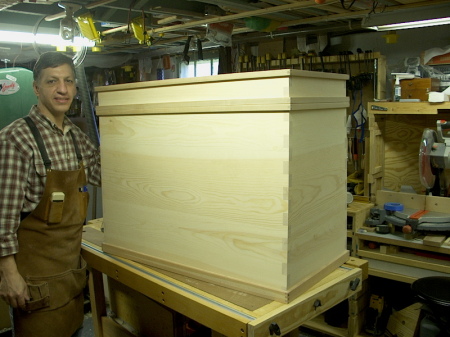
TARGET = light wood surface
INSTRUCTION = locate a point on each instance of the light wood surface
(224, 106)
(409, 108)
(215, 312)
(253, 200)
(261, 75)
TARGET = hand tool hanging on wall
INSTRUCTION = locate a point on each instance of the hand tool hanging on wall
(341, 69)
(356, 123)
(268, 59)
(357, 120)
(283, 60)
(311, 55)
(186, 57)
(311, 50)
(322, 63)
(301, 46)
(199, 49)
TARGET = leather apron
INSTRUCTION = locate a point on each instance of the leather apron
(49, 257)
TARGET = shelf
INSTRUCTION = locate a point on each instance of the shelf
(398, 272)
(402, 266)
(410, 259)
(407, 108)
(319, 324)
(356, 207)
(398, 240)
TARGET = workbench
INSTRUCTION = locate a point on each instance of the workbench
(226, 312)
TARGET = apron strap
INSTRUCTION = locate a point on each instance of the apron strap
(77, 149)
(40, 143)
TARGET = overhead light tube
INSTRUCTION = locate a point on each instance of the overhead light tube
(413, 24)
(43, 39)
(409, 18)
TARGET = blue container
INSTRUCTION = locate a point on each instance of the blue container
(16, 94)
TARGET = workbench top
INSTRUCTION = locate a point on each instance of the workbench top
(226, 311)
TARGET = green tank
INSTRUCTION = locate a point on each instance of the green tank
(16, 94)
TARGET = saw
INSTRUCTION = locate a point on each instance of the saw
(434, 157)
(409, 220)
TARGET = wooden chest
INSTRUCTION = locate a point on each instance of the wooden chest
(419, 87)
(237, 179)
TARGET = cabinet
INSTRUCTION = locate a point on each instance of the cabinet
(419, 88)
(395, 131)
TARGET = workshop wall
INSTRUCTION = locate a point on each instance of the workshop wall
(410, 43)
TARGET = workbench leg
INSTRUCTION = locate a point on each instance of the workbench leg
(98, 303)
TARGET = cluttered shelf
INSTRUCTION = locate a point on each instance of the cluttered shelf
(398, 240)
(397, 254)
(417, 257)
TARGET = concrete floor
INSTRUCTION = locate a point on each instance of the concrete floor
(88, 328)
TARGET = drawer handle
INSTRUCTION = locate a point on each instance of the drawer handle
(274, 329)
(317, 304)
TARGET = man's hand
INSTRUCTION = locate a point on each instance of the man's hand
(13, 289)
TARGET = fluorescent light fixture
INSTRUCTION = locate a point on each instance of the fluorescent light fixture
(413, 24)
(44, 39)
(409, 18)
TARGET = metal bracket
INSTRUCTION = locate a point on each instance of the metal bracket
(354, 284)
(378, 108)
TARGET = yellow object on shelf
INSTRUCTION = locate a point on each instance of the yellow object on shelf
(391, 37)
(87, 27)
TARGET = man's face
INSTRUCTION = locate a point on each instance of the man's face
(55, 90)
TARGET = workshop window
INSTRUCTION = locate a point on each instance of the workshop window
(199, 68)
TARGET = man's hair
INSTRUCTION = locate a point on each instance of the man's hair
(51, 59)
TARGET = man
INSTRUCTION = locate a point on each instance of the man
(45, 165)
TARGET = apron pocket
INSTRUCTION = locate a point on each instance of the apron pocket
(55, 291)
(40, 297)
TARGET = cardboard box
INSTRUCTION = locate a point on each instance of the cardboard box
(236, 179)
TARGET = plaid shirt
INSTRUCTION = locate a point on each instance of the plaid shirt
(22, 170)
